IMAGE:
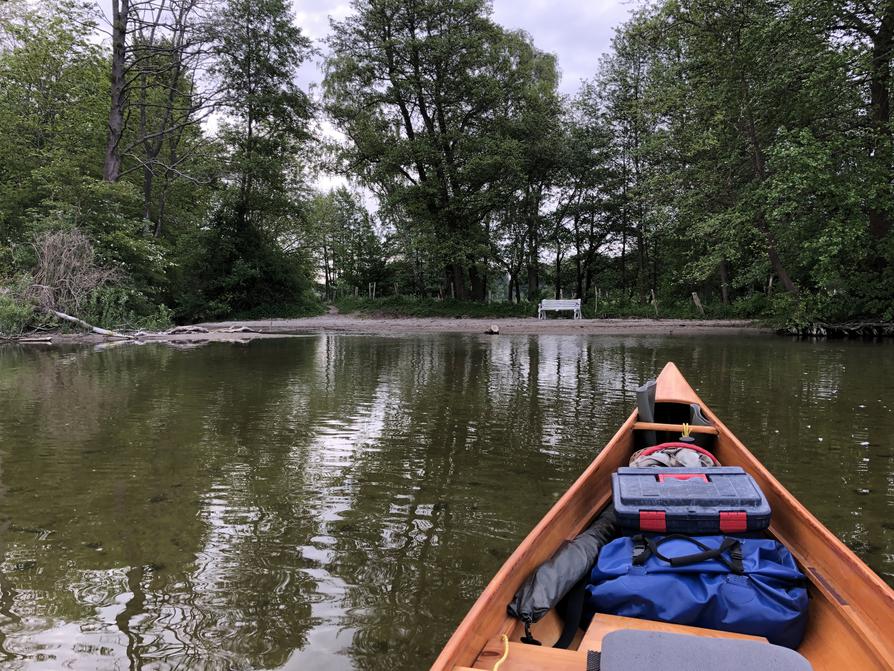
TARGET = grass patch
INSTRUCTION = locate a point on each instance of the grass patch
(408, 306)
(306, 308)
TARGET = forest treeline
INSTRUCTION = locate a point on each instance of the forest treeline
(161, 164)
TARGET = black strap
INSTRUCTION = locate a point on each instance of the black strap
(594, 661)
(644, 547)
(527, 638)
(574, 609)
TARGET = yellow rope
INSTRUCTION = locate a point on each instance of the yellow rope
(505, 653)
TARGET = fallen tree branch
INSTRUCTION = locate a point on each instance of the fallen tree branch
(89, 327)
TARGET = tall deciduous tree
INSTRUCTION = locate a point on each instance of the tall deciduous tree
(258, 50)
(422, 90)
(253, 257)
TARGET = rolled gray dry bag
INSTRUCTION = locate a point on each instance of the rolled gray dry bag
(554, 579)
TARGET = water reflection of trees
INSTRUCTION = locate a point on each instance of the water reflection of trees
(133, 492)
(268, 505)
(482, 438)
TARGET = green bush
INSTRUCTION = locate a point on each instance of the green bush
(233, 272)
(619, 308)
(15, 315)
(121, 307)
(609, 308)
(410, 306)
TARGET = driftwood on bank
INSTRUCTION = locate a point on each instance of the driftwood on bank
(846, 330)
(89, 327)
(177, 330)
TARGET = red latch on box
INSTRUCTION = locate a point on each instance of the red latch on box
(682, 476)
(732, 522)
(652, 520)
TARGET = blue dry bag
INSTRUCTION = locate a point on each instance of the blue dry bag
(743, 585)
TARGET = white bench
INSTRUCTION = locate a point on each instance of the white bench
(555, 306)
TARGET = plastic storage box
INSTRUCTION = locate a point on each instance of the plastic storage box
(689, 500)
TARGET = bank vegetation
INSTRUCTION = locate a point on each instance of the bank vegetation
(162, 165)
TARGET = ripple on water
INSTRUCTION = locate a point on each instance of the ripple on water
(339, 502)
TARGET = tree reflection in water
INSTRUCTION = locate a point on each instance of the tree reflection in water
(332, 502)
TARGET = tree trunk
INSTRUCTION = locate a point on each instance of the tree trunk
(162, 203)
(478, 283)
(588, 281)
(456, 279)
(326, 273)
(759, 167)
(533, 267)
(111, 169)
(89, 327)
(624, 262)
(558, 273)
(641, 271)
(724, 282)
(147, 196)
(880, 114)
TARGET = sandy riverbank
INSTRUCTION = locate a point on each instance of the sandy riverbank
(508, 326)
(243, 331)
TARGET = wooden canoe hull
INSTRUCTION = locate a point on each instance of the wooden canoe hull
(851, 612)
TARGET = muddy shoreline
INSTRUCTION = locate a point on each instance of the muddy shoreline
(243, 331)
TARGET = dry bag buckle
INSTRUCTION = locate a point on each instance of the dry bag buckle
(641, 550)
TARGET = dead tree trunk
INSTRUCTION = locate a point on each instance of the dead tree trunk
(89, 327)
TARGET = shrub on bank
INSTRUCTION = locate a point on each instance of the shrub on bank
(410, 306)
(16, 316)
(608, 308)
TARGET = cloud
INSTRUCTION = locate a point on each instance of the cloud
(577, 32)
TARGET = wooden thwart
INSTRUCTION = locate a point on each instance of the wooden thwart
(674, 428)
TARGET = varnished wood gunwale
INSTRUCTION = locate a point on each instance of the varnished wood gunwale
(852, 609)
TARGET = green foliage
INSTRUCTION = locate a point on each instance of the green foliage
(740, 150)
(154, 235)
(120, 307)
(258, 51)
(16, 315)
(433, 97)
(408, 306)
(345, 242)
(53, 88)
(234, 272)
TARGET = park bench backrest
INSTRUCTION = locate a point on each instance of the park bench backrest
(567, 304)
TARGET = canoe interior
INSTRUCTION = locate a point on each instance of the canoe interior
(851, 617)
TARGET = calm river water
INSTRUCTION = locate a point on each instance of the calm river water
(338, 502)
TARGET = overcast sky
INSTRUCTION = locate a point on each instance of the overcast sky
(577, 31)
